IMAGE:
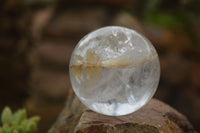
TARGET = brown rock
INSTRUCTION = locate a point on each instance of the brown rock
(155, 117)
(70, 115)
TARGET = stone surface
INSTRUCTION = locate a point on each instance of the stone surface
(70, 115)
(154, 117)
(114, 70)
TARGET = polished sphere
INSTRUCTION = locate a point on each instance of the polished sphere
(114, 70)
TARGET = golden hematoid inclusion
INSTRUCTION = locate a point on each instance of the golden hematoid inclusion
(93, 66)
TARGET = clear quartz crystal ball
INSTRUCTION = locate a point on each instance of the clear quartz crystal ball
(114, 70)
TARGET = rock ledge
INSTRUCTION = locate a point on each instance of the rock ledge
(154, 117)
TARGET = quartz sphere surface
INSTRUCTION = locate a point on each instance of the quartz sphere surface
(114, 70)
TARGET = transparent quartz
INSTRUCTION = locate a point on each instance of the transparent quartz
(114, 70)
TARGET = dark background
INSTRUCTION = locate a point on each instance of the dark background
(37, 38)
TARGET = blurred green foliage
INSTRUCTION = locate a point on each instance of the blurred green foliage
(180, 14)
(18, 122)
(175, 14)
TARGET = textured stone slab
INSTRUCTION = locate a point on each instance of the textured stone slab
(155, 117)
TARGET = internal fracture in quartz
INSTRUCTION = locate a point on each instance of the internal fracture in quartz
(114, 70)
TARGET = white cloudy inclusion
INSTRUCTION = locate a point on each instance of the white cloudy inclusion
(114, 70)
